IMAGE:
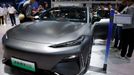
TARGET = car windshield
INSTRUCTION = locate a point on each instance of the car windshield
(69, 14)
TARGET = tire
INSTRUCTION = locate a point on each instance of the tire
(87, 64)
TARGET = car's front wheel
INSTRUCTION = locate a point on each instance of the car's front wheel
(86, 66)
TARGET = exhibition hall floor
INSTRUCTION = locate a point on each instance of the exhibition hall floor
(116, 66)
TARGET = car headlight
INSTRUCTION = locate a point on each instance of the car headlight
(70, 43)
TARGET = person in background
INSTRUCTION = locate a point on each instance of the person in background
(110, 7)
(5, 13)
(40, 9)
(20, 6)
(116, 29)
(12, 11)
(27, 10)
(100, 11)
(127, 33)
(1, 15)
(45, 6)
(122, 5)
(118, 35)
(101, 7)
(35, 7)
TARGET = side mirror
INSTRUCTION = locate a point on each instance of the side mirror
(95, 19)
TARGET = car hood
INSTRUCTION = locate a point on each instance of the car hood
(46, 31)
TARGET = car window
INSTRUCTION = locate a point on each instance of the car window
(70, 14)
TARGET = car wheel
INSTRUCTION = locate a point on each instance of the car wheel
(86, 66)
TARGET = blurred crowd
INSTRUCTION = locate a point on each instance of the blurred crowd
(29, 11)
(123, 34)
(3, 13)
(9, 11)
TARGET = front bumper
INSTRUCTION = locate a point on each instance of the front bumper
(45, 63)
(67, 68)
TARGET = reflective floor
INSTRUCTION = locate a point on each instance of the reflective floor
(116, 66)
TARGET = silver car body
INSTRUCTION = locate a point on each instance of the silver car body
(62, 47)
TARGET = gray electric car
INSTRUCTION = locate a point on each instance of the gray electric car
(59, 43)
